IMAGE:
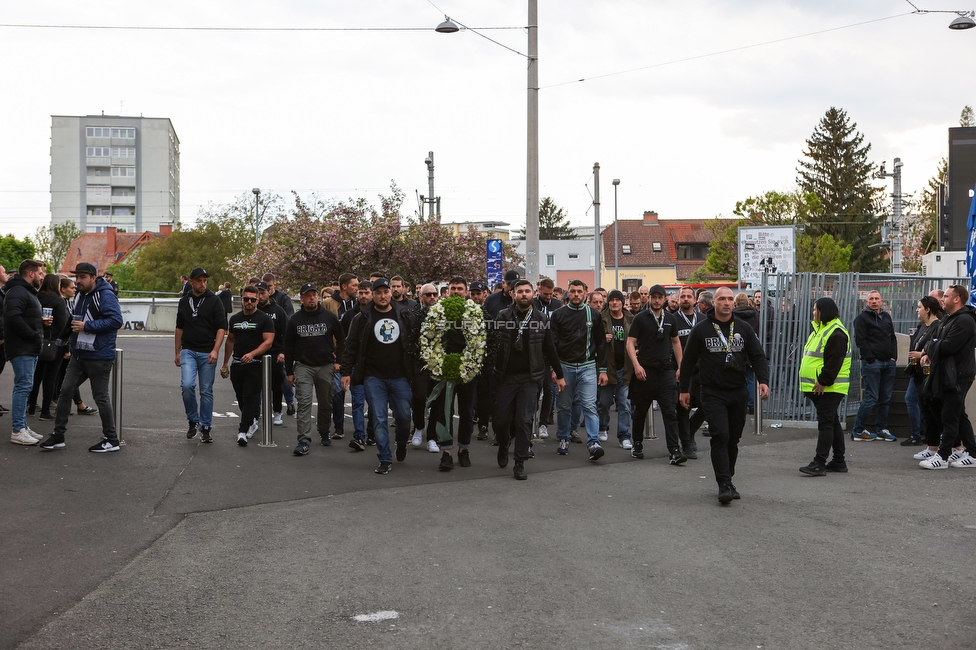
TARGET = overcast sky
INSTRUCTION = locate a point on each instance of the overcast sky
(342, 113)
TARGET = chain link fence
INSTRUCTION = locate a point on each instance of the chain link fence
(787, 312)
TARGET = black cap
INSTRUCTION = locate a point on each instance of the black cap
(616, 294)
(263, 286)
(512, 276)
(308, 286)
(197, 272)
(108, 273)
(380, 282)
(86, 268)
(477, 285)
(657, 289)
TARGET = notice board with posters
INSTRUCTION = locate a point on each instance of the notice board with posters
(769, 249)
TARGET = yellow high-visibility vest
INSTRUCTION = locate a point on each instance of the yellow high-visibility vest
(813, 359)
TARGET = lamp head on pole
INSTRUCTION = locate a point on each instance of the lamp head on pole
(963, 21)
(616, 181)
(447, 27)
(256, 191)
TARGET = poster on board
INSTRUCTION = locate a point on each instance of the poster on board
(769, 249)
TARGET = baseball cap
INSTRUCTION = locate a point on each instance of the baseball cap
(512, 276)
(263, 286)
(477, 285)
(658, 289)
(86, 268)
(380, 282)
(197, 272)
(308, 286)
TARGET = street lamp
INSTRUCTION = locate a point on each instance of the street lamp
(616, 245)
(257, 219)
(963, 19)
(532, 141)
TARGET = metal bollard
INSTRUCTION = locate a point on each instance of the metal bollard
(117, 394)
(649, 425)
(759, 416)
(266, 440)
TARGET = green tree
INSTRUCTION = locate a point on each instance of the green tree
(51, 244)
(13, 251)
(966, 117)
(835, 167)
(125, 275)
(553, 222)
(160, 263)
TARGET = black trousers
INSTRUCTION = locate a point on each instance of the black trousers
(97, 372)
(45, 376)
(419, 390)
(726, 415)
(464, 396)
(246, 379)
(955, 422)
(689, 424)
(549, 395)
(831, 436)
(665, 391)
(516, 397)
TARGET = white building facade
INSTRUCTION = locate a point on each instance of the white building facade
(114, 171)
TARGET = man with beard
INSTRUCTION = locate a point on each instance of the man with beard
(362, 434)
(24, 331)
(277, 350)
(686, 318)
(502, 299)
(547, 303)
(313, 341)
(249, 337)
(399, 288)
(524, 352)
(339, 303)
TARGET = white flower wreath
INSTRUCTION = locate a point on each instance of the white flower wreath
(453, 312)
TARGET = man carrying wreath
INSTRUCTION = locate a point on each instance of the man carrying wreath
(452, 343)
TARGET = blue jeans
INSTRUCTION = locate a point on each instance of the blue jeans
(879, 380)
(580, 389)
(23, 366)
(618, 393)
(194, 366)
(381, 395)
(339, 405)
(288, 392)
(914, 410)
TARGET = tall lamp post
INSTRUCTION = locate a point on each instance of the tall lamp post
(257, 218)
(616, 243)
(532, 141)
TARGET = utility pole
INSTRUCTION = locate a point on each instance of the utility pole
(596, 226)
(433, 204)
(891, 232)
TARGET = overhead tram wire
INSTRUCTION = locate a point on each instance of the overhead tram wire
(238, 29)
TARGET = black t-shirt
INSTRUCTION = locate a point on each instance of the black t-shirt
(280, 320)
(200, 317)
(619, 341)
(384, 347)
(654, 344)
(249, 332)
(685, 323)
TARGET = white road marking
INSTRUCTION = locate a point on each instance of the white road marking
(376, 616)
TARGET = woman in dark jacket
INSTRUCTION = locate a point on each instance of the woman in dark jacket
(923, 411)
(68, 291)
(46, 371)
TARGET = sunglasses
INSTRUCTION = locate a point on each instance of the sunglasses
(249, 299)
(431, 293)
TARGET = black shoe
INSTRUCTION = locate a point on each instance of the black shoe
(689, 453)
(596, 453)
(291, 409)
(88, 410)
(464, 458)
(301, 448)
(191, 431)
(46, 415)
(676, 458)
(494, 441)
(503, 455)
(575, 438)
(835, 465)
(383, 468)
(339, 433)
(483, 432)
(104, 446)
(326, 440)
(370, 441)
(447, 462)
(814, 469)
(907, 442)
(519, 471)
(638, 450)
(725, 494)
(752, 410)
(357, 444)
(55, 441)
(735, 493)
(205, 436)
(401, 452)
(531, 452)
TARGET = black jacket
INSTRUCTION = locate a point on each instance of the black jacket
(354, 358)
(541, 347)
(953, 359)
(874, 334)
(570, 335)
(705, 351)
(496, 302)
(283, 300)
(22, 325)
(59, 329)
(749, 315)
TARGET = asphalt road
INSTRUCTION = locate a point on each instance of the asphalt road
(171, 544)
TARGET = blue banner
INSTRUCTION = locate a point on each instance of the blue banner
(493, 257)
(971, 249)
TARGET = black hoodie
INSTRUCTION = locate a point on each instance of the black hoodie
(23, 328)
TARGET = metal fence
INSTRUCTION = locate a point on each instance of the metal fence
(786, 316)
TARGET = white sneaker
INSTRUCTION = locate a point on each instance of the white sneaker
(925, 453)
(543, 431)
(603, 436)
(965, 461)
(432, 447)
(242, 439)
(418, 438)
(251, 430)
(23, 437)
(935, 462)
(655, 405)
(277, 421)
(627, 444)
(33, 433)
(957, 454)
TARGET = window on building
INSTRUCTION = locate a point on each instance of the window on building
(98, 132)
(99, 190)
(98, 171)
(99, 212)
(124, 172)
(656, 247)
(129, 134)
(550, 259)
(692, 251)
(123, 191)
(96, 152)
(123, 152)
(122, 212)
(574, 256)
(625, 249)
